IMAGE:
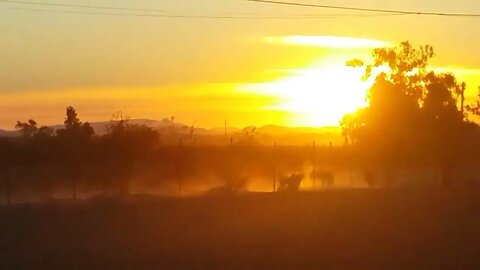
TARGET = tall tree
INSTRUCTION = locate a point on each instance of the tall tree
(411, 108)
(75, 143)
(71, 119)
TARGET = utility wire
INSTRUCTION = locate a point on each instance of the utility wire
(181, 16)
(164, 14)
(80, 6)
(372, 12)
(386, 11)
(158, 10)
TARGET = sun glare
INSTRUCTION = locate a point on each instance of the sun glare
(317, 96)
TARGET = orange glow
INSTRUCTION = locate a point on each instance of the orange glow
(316, 96)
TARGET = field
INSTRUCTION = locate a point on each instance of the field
(343, 229)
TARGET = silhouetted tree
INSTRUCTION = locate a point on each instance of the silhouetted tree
(410, 108)
(44, 132)
(125, 145)
(27, 129)
(475, 107)
(75, 142)
(74, 129)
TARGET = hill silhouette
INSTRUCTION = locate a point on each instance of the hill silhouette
(267, 133)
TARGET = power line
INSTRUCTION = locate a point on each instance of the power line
(80, 6)
(372, 12)
(181, 16)
(164, 14)
(386, 11)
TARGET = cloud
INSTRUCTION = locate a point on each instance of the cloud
(329, 41)
(462, 71)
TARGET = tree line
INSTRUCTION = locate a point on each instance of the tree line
(41, 158)
(73, 160)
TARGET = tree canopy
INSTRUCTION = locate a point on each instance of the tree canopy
(411, 107)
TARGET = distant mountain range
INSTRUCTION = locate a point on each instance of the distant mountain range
(168, 126)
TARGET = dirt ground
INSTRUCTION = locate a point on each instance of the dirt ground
(343, 229)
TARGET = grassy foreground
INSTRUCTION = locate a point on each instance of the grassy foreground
(350, 229)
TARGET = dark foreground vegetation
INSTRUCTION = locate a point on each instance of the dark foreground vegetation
(343, 229)
(73, 162)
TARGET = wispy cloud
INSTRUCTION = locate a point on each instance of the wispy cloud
(464, 71)
(329, 41)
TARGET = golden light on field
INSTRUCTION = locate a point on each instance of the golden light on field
(317, 96)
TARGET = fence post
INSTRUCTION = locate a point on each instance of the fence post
(314, 165)
(275, 167)
(179, 167)
(8, 189)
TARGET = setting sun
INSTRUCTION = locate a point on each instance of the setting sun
(317, 96)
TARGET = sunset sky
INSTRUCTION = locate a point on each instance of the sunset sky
(249, 71)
